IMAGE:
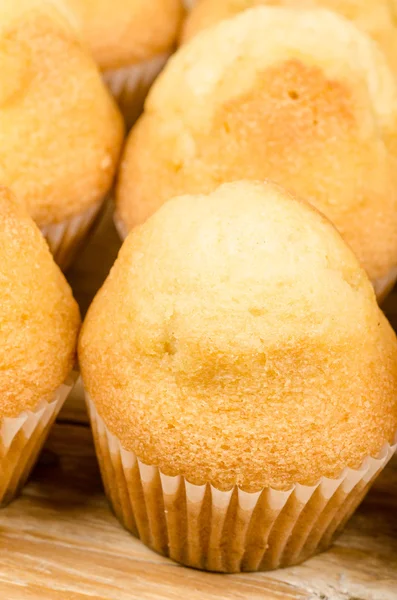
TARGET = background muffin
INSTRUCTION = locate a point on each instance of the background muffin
(375, 17)
(39, 322)
(237, 342)
(268, 94)
(60, 132)
(130, 40)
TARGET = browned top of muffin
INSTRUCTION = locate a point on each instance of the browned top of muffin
(60, 131)
(237, 341)
(375, 17)
(124, 32)
(39, 319)
(300, 97)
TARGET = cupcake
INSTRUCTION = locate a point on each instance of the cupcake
(39, 322)
(131, 40)
(268, 94)
(241, 380)
(375, 17)
(60, 130)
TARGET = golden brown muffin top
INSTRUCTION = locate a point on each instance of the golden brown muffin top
(375, 17)
(299, 97)
(237, 341)
(39, 319)
(124, 32)
(60, 131)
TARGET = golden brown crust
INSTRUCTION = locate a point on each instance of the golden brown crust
(39, 319)
(60, 131)
(375, 17)
(125, 32)
(237, 341)
(300, 97)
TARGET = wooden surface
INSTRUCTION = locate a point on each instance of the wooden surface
(59, 540)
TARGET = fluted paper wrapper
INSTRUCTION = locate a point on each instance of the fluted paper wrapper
(120, 227)
(384, 286)
(130, 85)
(66, 237)
(188, 4)
(21, 439)
(231, 531)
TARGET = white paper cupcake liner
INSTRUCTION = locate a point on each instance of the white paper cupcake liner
(120, 226)
(21, 439)
(130, 85)
(384, 286)
(205, 528)
(65, 238)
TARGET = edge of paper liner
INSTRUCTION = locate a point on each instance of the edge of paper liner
(130, 85)
(228, 531)
(22, 437)
(64, 238)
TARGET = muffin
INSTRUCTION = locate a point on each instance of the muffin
(131, 41)
(269, 94)
(375, 17)
(60, 130)
(39, 322)
(241, 380)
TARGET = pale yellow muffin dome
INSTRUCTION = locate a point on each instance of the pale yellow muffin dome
(300, 97)
(39, 319)
(60, 131)
(375, 17)
(124, 32)
(238, 341)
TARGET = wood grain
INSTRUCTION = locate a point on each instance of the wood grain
(60, 541)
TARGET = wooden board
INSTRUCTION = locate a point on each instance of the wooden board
(60, 541)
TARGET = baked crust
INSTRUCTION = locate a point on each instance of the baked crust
(237, 341)
(375, 17)
(300, 97)
(39, 319)
(60, 131)
(121, 33)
